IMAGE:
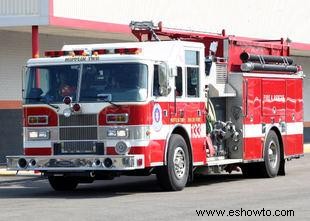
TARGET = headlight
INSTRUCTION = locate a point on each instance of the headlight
(122, 148)
(39, 135)
(118, 132)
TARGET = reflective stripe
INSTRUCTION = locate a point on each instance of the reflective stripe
(38, 144)
(295, 128)
(157, 164)
(133, 143)
(252, 130)
(256, 130)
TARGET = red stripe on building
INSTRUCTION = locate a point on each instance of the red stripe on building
(10, 104)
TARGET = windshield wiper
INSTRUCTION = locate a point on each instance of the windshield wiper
(104, 98)
(44, 101)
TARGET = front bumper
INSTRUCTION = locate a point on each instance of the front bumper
(76, 162)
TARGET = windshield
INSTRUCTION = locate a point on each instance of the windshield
(99, 83)
(50, 84)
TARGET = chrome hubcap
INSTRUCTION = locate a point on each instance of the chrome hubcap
(272, 154)
(179, 162)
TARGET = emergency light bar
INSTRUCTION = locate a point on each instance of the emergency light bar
(63, 53)
(117, 51)
(95, 52)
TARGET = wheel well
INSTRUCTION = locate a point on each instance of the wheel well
(276, 130)
(182, 132)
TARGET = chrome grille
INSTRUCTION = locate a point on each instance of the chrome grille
(78, 133)
(77, 147)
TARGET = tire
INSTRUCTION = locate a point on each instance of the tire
(271, 165)
(174, 176)
(62, 183)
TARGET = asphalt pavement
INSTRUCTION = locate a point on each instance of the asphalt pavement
(140, 198)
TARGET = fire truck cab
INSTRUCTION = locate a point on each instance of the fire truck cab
(195, 104)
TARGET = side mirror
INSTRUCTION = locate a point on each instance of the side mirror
(163, 78)
(24, 80)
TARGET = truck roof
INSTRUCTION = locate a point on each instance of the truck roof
(170, 51)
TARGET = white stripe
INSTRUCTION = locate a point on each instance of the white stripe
(256, 130)
(199, 163)
(132, 143)
(154, 164)
(252, 130)
(37, 144)
(271, 75)
(295, 128)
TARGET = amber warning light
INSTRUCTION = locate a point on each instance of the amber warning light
(121, 51)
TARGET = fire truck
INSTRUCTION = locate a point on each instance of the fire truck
(175, 104)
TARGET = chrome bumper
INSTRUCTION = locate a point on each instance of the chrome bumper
(76, 162)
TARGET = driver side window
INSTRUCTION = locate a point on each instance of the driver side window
(156, 81)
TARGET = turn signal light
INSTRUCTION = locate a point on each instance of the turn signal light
(38, 120)
(117, 118)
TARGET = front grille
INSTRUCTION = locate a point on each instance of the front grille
(78, 133)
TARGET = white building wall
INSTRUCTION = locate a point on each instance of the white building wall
(23, 12)
(257, 18)
(16, 48)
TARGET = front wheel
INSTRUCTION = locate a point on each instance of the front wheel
(174, 175)
(63, 183)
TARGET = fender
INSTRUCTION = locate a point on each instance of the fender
(168, 138)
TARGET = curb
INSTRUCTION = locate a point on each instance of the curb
(5, 172)
(307, 148)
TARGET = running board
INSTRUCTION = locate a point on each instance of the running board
(217, 161)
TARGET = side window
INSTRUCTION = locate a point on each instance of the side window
(193, 82)
(178, 82)
(156, 81)
(192, 73)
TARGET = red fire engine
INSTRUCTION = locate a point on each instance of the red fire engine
(175, 104)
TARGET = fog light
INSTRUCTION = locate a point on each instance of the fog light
(97, 163)
(22, 163)
(108, 162)
(121, 148)
(32, 162)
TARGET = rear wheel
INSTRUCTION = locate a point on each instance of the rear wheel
(174, 175)
(63, 183)
(272, 157)
(271, 164)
